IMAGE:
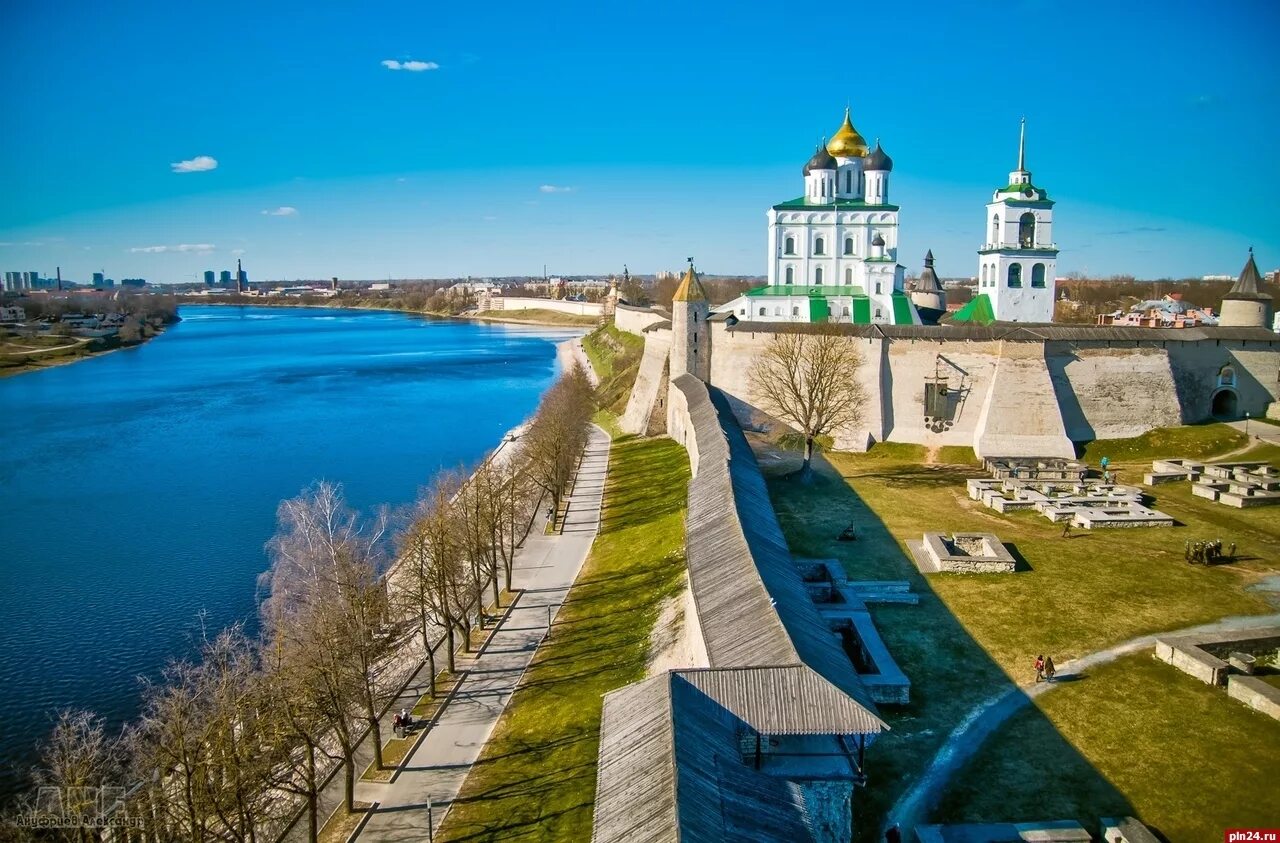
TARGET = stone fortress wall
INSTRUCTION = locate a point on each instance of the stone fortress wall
(1029, 391)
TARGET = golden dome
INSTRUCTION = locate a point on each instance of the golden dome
(847, 143)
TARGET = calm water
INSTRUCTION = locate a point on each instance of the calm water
(137, 489)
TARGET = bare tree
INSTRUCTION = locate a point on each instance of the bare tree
(325, 592)
(558, 433)
(432, 564)
(810, 381)
(78, 759)
(202, 747)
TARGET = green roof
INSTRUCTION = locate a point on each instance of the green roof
(801, 290)
(803, 204)
(1018, 188)
(901, 310)
(977, 312)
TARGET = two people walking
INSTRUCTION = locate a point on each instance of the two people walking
(1045, 671)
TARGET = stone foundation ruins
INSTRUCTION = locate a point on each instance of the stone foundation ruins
(1062, 491)
(1237, 484)
(963, 553)
(1232, 659)
(843, 605)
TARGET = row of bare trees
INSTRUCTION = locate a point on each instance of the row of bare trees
(230, 745)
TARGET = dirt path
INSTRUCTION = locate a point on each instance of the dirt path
(931, 454)
(914, 806)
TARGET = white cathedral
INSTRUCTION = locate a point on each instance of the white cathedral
(833, 252)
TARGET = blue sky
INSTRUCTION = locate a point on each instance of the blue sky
(587, 135)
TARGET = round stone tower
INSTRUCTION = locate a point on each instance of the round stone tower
(690, 339)
(1247, 306)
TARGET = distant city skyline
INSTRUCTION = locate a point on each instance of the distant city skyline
(408, 142)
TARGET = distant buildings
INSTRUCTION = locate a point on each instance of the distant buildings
(1168, 312)
(17, 281)
(224, 278)
(209, 277)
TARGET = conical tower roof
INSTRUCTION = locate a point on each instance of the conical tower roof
(690, 288)
(928, 281)
(1249, 285)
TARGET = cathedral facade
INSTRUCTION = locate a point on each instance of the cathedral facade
(833, 252)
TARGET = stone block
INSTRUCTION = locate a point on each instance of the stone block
(1256, 694)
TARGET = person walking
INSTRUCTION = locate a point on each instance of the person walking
(1066, 530)
(1049, 670)
(1039, 668)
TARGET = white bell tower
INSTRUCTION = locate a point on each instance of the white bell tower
(1018, 261)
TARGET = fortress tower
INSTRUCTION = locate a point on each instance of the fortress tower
(1019, 261)
(690, 344)
(1246, 306)
(927, 293)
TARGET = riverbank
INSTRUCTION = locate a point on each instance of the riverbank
(15, 359)
(542, 318)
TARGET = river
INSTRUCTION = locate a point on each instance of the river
(137, 488)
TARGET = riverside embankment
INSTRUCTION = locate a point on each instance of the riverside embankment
(162, 469)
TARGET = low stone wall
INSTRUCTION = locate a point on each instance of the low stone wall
(968, 553)
(577, 308)
(1256, 694)
(1198, 655)
(634, 319)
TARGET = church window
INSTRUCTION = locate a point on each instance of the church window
(848, 245)
(1037, 275)
(791, 275)
(1015, 275)
(848, 275)
(877, 288)
(1027, 230)
(795, 311)
(878, 314)
(1227, 376)
(848, 181)
(995, 229)
(789, 247)
(819, 246)
(762, 311)
(817, 276)
(742, 311)
(844, 311)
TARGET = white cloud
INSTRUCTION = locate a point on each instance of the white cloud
(237, 252)
(199, 164)
(555, 188)
(412, 66)
(282, 211)
(198, 248)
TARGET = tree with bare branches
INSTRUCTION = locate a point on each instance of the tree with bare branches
(558, 434)
(326, 596)
(809, 379)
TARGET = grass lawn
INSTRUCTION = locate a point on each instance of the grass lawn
(972, 636)
(340, 824)
(615, 355)
(1205, 440)
(536, 778)
(538, 316)
(1135, 737)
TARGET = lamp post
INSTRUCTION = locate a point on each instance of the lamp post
(1246, 425)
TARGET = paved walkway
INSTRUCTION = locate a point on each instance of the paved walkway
(1268, 433)
(982, 721)
(545, 568)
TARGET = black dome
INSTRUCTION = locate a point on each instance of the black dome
(877, 160)
(877, 240)
(821, 160)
